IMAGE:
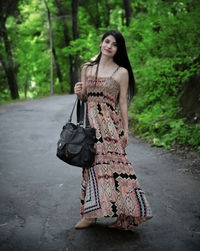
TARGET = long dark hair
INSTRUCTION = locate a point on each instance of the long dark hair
(120, 58)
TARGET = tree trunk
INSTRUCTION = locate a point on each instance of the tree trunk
(107, 17)
(74, 19)
(58, 72)
(7, 63)
(127, 8)
(53, 53)
(62, 13)
(97, 16)
(74, 62)
(26, 88)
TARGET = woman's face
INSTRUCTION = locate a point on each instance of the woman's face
(109, 46)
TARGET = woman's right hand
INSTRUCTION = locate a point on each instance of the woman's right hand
(78, 88)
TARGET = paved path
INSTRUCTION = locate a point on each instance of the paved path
(39, 194)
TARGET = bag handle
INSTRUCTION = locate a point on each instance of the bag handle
(70, 118)
(86, 119)
(80, 112)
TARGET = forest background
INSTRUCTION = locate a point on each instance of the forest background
(43, 43)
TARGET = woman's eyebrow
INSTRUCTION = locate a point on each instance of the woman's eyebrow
(108, 40)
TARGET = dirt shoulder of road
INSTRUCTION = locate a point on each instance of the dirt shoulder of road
(183, 152)
(189, 154)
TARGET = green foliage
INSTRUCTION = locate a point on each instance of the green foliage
(165, 56)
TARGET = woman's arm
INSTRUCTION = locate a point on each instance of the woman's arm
(123, 101)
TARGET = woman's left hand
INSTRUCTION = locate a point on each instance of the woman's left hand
(125, 139)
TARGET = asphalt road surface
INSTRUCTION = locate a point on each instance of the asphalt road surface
(40, 194)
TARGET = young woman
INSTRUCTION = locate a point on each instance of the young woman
(110, 187)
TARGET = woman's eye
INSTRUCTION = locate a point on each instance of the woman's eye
(107, 41)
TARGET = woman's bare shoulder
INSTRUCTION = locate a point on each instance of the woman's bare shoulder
(122, 71)
(121, 74)
(87, 67)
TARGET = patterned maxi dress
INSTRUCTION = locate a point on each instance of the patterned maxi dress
(110, 187)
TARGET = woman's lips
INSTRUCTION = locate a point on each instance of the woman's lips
(107, 50)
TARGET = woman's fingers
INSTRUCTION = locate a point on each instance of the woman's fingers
(126, 140)
(78, 87)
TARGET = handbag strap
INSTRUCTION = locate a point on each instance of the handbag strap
(70, 118)
(80, 112)
(87, 123)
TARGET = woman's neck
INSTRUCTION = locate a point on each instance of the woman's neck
(106, 61)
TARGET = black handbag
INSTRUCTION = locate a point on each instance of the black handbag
(76, 143)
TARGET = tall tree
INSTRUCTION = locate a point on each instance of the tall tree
(99, 11)
(70, 32)
(74, 62)
(53, 52)
(8, 8)
(127, 8)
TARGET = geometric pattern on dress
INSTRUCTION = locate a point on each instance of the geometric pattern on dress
(91, 199)
(104, 127)
(124, 176)
(129, 204)
(142, 202)
(83, 185)
(110, 137)
(113, 159)
(107, 188)
(114, 209)
(110, 129)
